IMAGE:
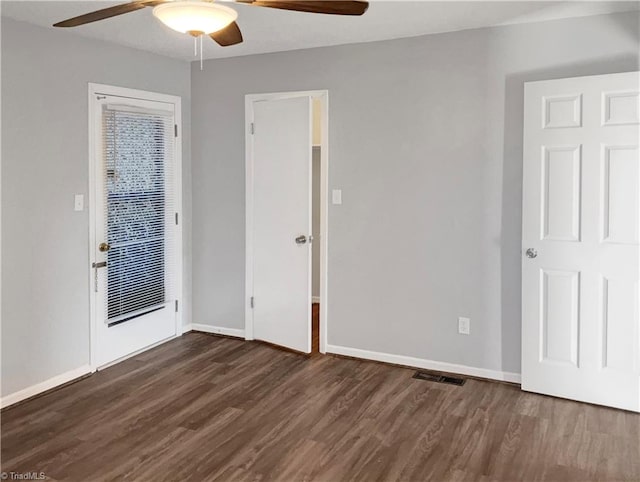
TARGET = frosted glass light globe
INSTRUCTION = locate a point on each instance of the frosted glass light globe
(195, 17)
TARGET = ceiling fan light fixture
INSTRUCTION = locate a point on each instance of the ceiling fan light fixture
(195, 18)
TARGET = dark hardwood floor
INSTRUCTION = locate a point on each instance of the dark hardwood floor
(203, 407)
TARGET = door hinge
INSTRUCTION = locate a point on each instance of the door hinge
(253, 128)
(175, 130)
(176, 306)
(251, 301)
(176, 218)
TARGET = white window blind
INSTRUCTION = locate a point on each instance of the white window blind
(139, 210)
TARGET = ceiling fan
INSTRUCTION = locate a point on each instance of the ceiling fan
(207, 17)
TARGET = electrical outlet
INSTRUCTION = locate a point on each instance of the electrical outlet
(464, 326)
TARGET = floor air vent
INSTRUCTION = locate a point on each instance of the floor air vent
(434, 377)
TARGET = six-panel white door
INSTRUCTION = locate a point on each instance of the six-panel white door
(580, 333)
(281, 222)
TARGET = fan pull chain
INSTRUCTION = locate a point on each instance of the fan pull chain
(195, 46)
(201, 67)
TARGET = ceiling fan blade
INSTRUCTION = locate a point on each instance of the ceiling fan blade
(106, 13)
(333, 7)
(229, 35)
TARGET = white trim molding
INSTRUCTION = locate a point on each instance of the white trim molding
(41, 387)
(216, 330)
(425, 364)
(315, 299)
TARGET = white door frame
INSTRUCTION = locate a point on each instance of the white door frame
(323, 96)
(109, 90)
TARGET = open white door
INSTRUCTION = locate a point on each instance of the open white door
(581, 208)
(280, 240)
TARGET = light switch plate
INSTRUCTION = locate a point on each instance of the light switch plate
(78, 202)
(336, 196)
(464, 326)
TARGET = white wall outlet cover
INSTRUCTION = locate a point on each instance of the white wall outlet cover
(336, 196)
(464, 326)
(78, 202)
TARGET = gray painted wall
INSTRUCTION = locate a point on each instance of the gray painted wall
(45, 287)
(425, 140)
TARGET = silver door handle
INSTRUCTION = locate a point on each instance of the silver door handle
(96, 266)
(301, 239)
(531, 253)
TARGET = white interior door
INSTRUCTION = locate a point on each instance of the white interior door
(580, 334)
(134, 258)
(281, 163)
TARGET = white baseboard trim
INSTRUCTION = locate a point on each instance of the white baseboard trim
(426, 364)
(315, 299)
(44, 386)
(218, 330)
(187, 328)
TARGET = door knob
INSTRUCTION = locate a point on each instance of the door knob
(104, 247)
(531, 253)
(301, 239)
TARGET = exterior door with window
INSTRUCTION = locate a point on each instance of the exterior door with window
(135, 222)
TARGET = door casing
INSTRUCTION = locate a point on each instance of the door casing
(323, 97)
(94, 160)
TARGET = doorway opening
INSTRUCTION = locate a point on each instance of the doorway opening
(286, 219)
(316, 190)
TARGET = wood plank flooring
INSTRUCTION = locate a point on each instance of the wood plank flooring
(210, 408)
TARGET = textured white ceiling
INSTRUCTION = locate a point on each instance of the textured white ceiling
(271, 30)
